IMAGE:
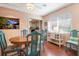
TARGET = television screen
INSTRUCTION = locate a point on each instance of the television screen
(9, 23)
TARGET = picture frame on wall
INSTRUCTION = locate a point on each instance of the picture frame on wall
(9, 23)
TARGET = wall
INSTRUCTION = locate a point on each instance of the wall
(73, 9)
(12, 13)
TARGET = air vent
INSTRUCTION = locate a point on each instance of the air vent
(44, 5)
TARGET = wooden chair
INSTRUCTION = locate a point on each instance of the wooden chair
(6, 49)
(34, 48)
(72, 43)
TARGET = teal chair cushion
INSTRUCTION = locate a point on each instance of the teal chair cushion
(74, 39)
(72, 42)
(9, 49)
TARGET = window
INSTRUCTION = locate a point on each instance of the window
(60, 23)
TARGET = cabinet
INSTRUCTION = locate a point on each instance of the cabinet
(55, 38)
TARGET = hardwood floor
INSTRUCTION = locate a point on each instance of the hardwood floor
(53, 50)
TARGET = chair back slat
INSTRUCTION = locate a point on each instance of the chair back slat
(3, 43)
(74, 33)
(24, 32)
(43, 34)
(46, 34)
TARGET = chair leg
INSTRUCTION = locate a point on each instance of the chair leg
(39, 53)
(66, 47)
(4, 54)
(78, 50)
(19, 53)
(43, 48)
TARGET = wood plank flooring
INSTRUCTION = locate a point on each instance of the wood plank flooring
(54, 50)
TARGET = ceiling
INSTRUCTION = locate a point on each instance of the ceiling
(39, 9)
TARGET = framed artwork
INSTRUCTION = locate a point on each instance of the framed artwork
(9, 23)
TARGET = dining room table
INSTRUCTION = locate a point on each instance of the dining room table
(19, 40)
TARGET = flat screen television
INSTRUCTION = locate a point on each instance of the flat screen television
(9, 23)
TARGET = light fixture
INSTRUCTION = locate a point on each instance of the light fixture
(29, 6)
